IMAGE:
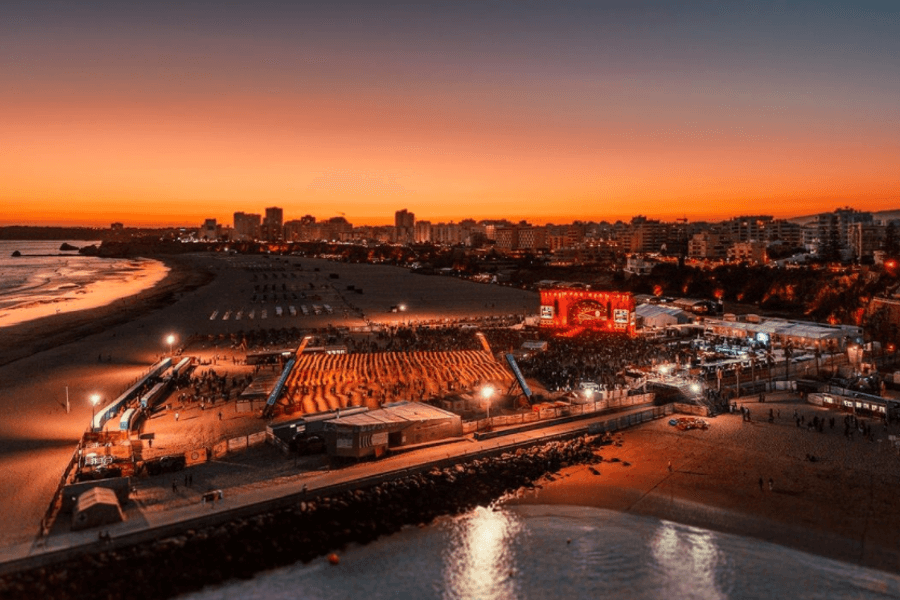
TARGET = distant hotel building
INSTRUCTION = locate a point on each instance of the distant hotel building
(273, 224)
(209, 230)
(404, 226)
(246, 226)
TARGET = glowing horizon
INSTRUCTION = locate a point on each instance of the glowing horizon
(156, 116)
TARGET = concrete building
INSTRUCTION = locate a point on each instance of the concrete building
(750, 252)
(787, 232)
(707, 245)
(273, 224)
(209, 230)
(648, 236)
(865, 238)
(557, 236)
(394, 426)
(404, 226)
(747, 228)
(246, 226)
(507, 238)
(638, 265)
(834, 227)
(423, 232)
(531, 237)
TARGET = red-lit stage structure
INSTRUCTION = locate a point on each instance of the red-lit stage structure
(587, 309)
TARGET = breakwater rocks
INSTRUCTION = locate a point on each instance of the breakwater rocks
(309, 528)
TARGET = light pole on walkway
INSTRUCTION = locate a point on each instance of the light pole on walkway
(95, 399)
(486, 393)
(170, 339)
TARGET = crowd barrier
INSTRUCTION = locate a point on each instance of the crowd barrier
(556, 412)
(625, 421)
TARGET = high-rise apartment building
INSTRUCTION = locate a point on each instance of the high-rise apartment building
(404, 226)
(423, 232)
(246, 226)
(272, 227)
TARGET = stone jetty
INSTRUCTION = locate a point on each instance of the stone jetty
(312, 527)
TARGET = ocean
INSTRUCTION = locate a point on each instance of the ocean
(45, 280)
(563, 552)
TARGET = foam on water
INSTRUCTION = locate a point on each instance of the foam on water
(46, 280)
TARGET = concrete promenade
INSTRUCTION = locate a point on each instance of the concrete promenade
(152, 525)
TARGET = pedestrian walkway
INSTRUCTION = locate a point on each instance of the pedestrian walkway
(154, 525)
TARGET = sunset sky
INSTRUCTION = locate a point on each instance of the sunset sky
(549, 111)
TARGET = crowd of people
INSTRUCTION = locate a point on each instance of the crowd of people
(599, 357)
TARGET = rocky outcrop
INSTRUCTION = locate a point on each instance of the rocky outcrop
(312, 527)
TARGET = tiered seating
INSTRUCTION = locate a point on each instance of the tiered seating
(322, 382)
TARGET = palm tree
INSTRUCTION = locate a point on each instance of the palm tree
(818, 355)
(788, 349)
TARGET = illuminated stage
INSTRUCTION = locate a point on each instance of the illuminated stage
(566, 309)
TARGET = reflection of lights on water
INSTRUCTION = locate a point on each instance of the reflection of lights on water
(688, 559)
(479, 561)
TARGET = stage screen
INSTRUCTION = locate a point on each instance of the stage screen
(587, 309)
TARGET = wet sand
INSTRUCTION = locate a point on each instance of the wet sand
(124, 279)
(841, 506)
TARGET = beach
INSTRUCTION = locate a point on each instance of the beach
(102, 350)
(841, 505)
(838, 506)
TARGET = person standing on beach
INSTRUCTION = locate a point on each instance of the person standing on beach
(771, 484)
(760, 484)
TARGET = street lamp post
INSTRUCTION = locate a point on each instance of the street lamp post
(486, 393)
(170, 339)
(95, 399)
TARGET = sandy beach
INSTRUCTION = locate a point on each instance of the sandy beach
(102, 350)
(840, 505)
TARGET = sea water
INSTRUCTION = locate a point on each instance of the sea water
(45, 279)
(563, 553)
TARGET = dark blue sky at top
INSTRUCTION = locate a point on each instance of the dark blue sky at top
(640, 82)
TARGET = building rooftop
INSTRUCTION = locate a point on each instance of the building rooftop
(398, 412)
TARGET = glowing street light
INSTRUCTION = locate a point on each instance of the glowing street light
(486, 393)
(170, 339)
(95, 399)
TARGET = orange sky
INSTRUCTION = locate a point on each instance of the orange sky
(129, 120)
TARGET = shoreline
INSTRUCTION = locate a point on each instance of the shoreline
(837, 511)
(840, 506)
(27, 338)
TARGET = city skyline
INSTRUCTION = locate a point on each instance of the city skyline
(166, 116)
